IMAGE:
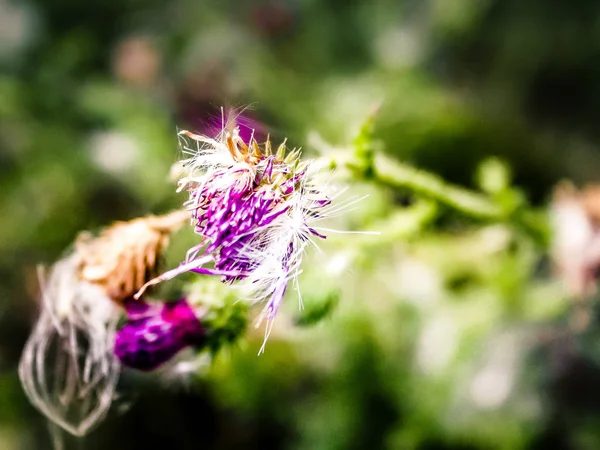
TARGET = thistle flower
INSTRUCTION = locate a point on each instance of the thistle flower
(156, 332)
(254, 210)
(124, 256)
(68, 368)
(208, 318)
(575, 216)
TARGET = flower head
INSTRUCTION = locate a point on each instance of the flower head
(68, 368)
(156, 332)
(254, 209)
(575, 217)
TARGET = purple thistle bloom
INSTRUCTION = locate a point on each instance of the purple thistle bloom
(154, 333)
(253, 209)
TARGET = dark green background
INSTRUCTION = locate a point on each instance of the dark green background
(459, 80)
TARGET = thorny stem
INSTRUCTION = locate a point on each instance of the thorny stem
(385, 171)
(397, 175)
(368, 164)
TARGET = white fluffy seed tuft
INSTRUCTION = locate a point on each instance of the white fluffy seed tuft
(68, 368)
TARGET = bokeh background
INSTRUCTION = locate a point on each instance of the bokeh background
(448, 334)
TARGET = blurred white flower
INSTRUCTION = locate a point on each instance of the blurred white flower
(495, 238)
(491, 385)
(339, 262)
(400, 47)
(576, 237)
(136, 61)
(417, 282)
(17, 28)
(114, 152)
(437, 344)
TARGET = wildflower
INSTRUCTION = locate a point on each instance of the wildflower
(172, 336)
(576, 237)
(68, 368)
(126, 254)
(156, 332)
(254, 210)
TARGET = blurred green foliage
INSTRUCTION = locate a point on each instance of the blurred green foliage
(447, 331)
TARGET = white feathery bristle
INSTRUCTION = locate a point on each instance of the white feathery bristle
(279, 248)
(206, 156)
(68, 368)
(200, 157)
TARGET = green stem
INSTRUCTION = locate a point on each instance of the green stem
(397, 175)
(385, 171)
(391, 173)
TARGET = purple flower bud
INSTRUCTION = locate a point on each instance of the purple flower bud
(154, 333)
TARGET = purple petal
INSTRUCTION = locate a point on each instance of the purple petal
(149, 340)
